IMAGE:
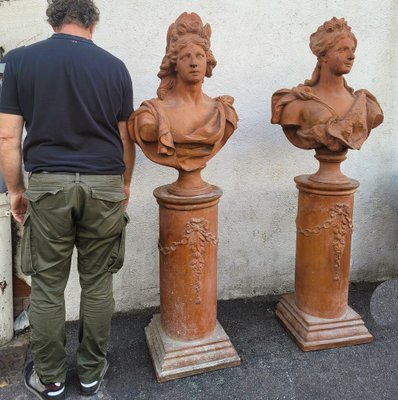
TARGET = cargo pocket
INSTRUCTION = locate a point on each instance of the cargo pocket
(27, 264)
(116, 257)
(46, 197)
(107, 195)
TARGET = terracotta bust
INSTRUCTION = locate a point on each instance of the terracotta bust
(183, 127)
(325, 111)
(325, 114)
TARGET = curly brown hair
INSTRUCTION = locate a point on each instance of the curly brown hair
(81, 12)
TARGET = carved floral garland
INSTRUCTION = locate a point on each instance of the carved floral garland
(196, 236)
(341, 223)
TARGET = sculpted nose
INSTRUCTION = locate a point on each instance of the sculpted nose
(193, 61)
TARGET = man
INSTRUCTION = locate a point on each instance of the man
(74, 99)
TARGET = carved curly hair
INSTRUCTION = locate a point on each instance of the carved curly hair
(188, 28)
(326, 36)
(81, 12)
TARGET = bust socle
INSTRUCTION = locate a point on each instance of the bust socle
(183, 127)
(325, 112)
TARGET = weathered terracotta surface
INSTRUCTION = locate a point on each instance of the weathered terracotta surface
(323, 243)
(325, 111)
(314, 333)
(183, 128)
(175, 359)
(325, 114)
(188, 263)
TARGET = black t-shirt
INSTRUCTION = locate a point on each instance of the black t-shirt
(71, 94)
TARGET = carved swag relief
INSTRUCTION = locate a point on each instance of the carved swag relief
(196, 236)
(341, 223)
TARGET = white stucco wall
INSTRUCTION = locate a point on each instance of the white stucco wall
(260, 46)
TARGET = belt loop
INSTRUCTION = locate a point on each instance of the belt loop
(29, 175)
(77, 177)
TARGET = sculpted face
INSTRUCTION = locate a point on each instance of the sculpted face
(340, 58)
(191, 64)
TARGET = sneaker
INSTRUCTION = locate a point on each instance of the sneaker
(89, 389)
(54, 391)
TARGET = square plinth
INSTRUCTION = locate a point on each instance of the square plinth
(174, 359)
(313, 333)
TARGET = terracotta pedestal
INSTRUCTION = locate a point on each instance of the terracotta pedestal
(186, 339)
(317, 315)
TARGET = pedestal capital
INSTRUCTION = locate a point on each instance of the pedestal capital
(194, 202)
(306, 184)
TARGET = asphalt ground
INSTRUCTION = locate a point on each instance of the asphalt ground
(273, 367)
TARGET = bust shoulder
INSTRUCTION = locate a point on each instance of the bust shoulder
(292, 113)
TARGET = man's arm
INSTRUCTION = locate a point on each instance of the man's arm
(11, 162)
(128, 157)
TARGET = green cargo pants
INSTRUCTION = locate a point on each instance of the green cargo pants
(68, 210)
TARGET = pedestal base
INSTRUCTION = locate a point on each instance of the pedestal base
(313, 333)
(174, 359)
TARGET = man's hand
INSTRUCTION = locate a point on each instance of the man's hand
(127, 193)
(128, 158)
(19, 205)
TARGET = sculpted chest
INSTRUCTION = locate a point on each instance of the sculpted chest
(185, 119)
(319, 112)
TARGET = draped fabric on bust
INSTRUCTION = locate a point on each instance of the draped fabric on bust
(349, 131)
(191, 150)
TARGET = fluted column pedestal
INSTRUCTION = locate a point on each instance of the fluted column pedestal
(186, 339)
(317, 315)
